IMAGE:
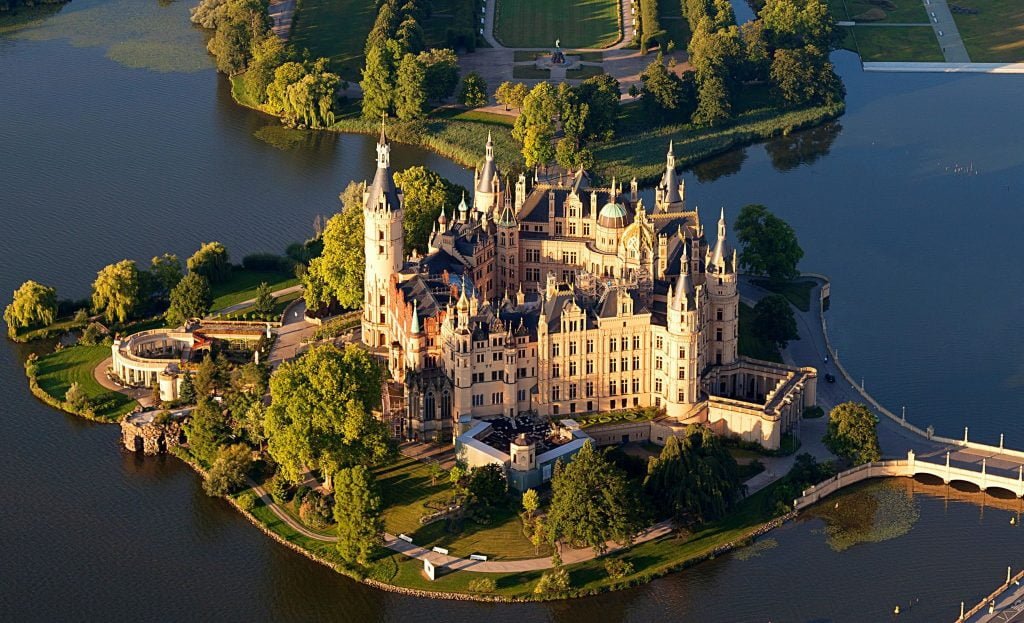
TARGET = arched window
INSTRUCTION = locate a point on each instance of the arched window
(428, 407)
(446, 405)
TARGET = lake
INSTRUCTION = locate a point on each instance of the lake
(119, 140)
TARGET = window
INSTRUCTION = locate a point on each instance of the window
(636, 362)
(556, 370)
(590, 346)
(718, 314)
(478, 400)
(495, 376)
(572, 368)
(521, 395)
(556, 393)
(636, 342)
(428, 406)
(658, 386)
(497, 398)
(636, 386)
(586, 229)
(613, 365)
(521, 373)
(718, 335)
(682, 353)
(611, 388)
(718, 358)
(613, 345)
(659, 342)
(572, 391)
(625, 364)
(556, 349)
(682, 373)
(658, 363)
(572, 229)
(572, 345)
(624, 386)
(590, 366)
(589, 389)
(682, 396)
(625, 340)
(558, 229)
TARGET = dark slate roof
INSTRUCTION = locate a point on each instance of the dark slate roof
(536, 208)
(384, 186)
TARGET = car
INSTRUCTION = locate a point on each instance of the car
(830, 378)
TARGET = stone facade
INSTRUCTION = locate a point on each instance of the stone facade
(557, 297)
(152, 432)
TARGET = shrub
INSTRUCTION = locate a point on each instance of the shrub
(618, 568)
(229, 470)
(266, 262)
(246, 500)
(92, 334)
(280, 489)
(76, 397)
(316, 511)
(554, 582)
(482, 585)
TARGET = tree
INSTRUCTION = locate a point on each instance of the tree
(662, 94)
(503, 94)
(592, 502)
(33, 304)
(601, 95)
(796, 23)
(774, 321)
(694, 479)
(554, 582)
(239, 25)
(853, 433)
(713, 105)
(191, 298)
(487, 485)
(115, 293)
(424, 194)
(804, 76)
(311, 98)
(531, 503)
(267, 55)
(166, 272)
(206, 379)
(410, 36)
(535, 126)
(474, 91)
(378, 83)
(76, 397)
(411, 92)
(357, 508)
(211, 261)
(264, 299)
(206, 430)
(187, 390)
(338, 272)
(229, 470)
(769, 244)
(285, 75)
(321, 412)
(442, 68)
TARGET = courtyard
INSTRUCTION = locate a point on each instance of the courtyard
(575, 24)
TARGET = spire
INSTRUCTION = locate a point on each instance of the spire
(442, 219)
(415, 317)
(722, 251)
(382, 193)
(670, 183)
(383, 149)
(721, 224)
(490, 146)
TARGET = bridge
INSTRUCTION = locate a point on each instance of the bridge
(949, 472)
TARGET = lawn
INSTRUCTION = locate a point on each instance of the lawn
(336, 29)
(408, 495)
(242, 284)
(893, 43)
(616, 417)
(576, 24)
(996, 34)
(898, 12)
(57, 371)
(797, 292)
(751, 345)
(671, 19)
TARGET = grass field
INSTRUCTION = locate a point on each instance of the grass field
(797, 292)
(242, 284)
(671, 19)
(996, 34)
(57, 371)
(538, 23)
(884, 43)
(335, 29)
(906, 11)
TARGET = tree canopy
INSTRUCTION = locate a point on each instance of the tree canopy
(206, 429)
(853, 433)
(769, 244)
(211, 261)
(228, 472)
(357, 508)
(774, 321)
(424, 194)
(695, 479)
(535, 125)
(473, 93)
(33, 304)
(166, 272)
(320, 415)
(239, 24)
(592, 502)
(304, 93)
(338, 272)
(115, 293)
(191, 298)
(411, 91)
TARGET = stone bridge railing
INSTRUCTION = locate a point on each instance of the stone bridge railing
(910, 467)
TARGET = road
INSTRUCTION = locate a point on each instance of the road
(243, 304)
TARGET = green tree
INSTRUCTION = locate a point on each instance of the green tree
(321, 412)
(357, 510)
(410, 36)
(191, 298)
(592, 502)
(554, 582)
(713, 105)
(774, 321)
(338, 272)
(695, 479)
(378, 83)
(601, 95)
(487, 485)
(285, 75)
(442, 67)
(76, 397)
(228, 472)
(796, 23)
(311, 98)
(264, 299)
(268, 54)
(166, 272)
(206, 430)
(503, 94)
(32, 304)
(769, 244)
(424, 194)
(211, 261)
(474, 91)
(411, 94)
(207, 378)
(804, 76)
(535, 125)
(853, 433)
(239, 26)
(531, 503)
(187, 390)
(115, 293)
(662, 93)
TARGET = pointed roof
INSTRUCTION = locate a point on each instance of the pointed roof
(489, 172)
(415, 316)
(722, 251)
(670, 180)
(382, 191)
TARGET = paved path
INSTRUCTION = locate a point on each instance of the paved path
(976, 68)
(953, 49)
(242, 305)
(143, 396)
(281, 13)
(291, 334)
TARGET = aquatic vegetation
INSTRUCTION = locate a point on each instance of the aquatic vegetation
(870, 514)
(755, 549)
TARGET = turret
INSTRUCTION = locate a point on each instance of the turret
(723, 298)
(487, 186)
(670, 192)
(383, 246)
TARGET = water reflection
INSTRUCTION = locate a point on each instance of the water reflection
(720, 166)
(803, 146)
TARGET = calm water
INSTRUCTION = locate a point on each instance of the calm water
(118, 140)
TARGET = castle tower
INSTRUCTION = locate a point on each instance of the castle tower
(507, 226)
(487, 183)
(685, 350)
(723, 299)
(670, 191)
(383, 244)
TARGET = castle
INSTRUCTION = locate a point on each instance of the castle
(559, 298)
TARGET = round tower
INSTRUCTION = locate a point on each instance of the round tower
(723, 299)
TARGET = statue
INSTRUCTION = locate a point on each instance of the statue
(557, 56)
(557, 42)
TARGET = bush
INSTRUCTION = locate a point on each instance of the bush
(280, 489)
(618, 568)
(229, 470)
(76, 397)
(267, 262)
(811, 413)
(554, 582)
(246, 500)
(482, 585)
(92, 334)
(316, 511)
